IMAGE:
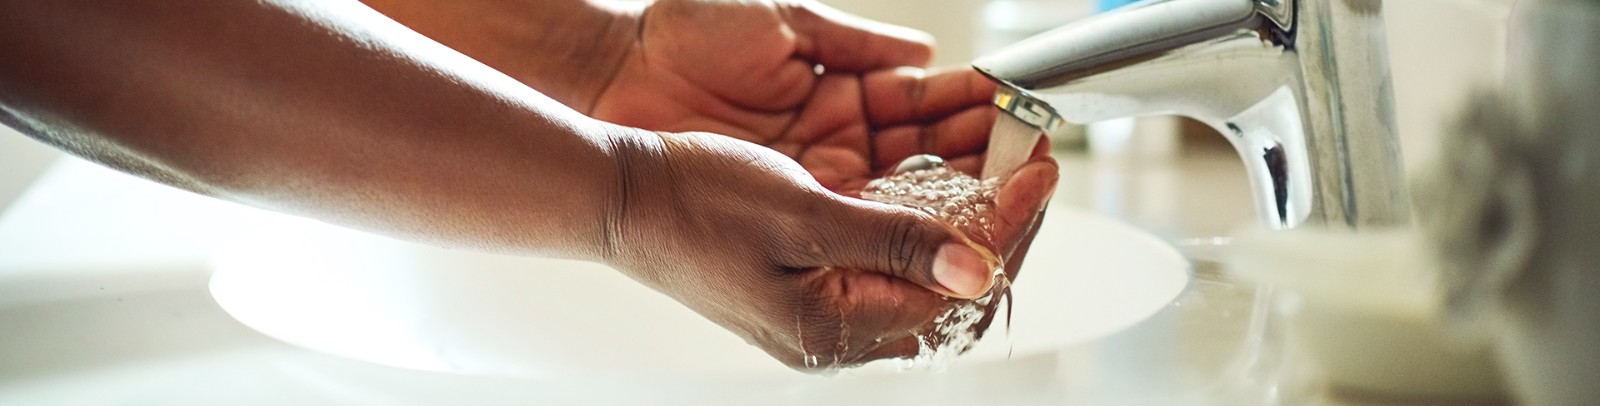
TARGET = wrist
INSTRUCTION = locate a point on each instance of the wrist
(632, 198)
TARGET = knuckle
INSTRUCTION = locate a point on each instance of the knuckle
(906, 235)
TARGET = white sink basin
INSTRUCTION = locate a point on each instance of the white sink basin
(408, 305)
(103, 300)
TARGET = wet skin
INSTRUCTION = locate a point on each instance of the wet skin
(750, 71)
(593, 133)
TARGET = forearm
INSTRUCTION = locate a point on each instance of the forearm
(319, 108)
(568, 49)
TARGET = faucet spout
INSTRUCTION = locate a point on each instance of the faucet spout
(1300, 88)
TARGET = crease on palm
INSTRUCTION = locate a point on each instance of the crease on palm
(840, 133)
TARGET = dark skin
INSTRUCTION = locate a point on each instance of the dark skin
(722, 175)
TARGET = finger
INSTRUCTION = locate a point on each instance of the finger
(963, 133)
(912, 95)
(832, 116)
(876, 308)
(900, 242)
(1014, 261)
(844, 42)
(1021, 199)
(1019, 250)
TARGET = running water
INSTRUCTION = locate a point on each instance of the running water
(1011, 142)
(967, 204)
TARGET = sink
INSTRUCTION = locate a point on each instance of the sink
(106, 298)
(408, 305)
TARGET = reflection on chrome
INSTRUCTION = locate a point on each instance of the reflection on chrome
(1301, 89)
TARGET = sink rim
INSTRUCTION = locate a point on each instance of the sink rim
(252, 295)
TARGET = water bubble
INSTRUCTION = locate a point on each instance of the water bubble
(967, 204)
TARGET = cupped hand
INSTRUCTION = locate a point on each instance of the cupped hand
(841, 95)
(773, 243)
(746, 237)
(844, 96)
(758, 226)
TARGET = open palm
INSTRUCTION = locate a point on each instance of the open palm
(838, 94)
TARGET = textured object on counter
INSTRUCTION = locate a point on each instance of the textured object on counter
(1512, 207)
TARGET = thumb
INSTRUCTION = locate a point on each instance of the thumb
(842, 41)
(904, 243)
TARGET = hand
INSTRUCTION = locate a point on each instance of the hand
(750, 70)
(772, 246)
(745, 237)
(744, 69)
(840, 95)
(737, 231)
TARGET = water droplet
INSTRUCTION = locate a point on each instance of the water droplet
(918, 163)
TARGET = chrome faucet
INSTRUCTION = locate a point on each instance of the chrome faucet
(1299, 87)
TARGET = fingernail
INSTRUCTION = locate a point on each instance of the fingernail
(960, 269)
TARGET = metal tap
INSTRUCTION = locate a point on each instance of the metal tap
(1299, 87)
